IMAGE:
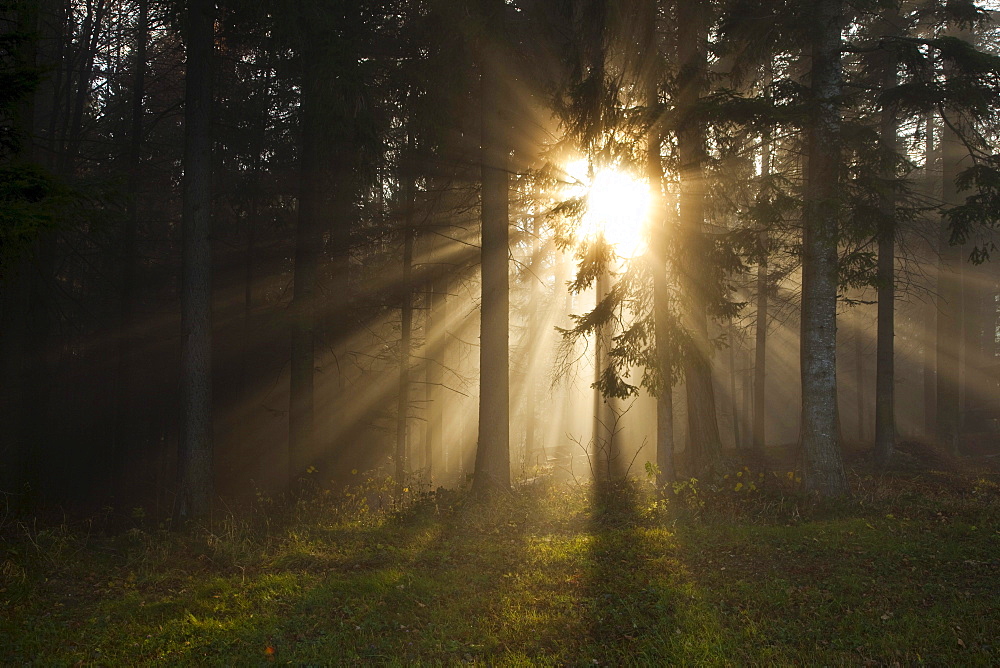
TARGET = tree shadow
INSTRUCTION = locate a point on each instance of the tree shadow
(632, 591)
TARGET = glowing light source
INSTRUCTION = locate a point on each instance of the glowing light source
(617, 208)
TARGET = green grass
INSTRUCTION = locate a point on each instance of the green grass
(907, 572)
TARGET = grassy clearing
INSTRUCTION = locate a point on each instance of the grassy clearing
(907, 572)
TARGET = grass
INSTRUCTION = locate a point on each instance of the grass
(907, 572)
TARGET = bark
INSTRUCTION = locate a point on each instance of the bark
(885, 404)
(949, 301)
(195, 456)
(492, 467)
(406, 322)
(437, 318)
(605, 447)
(733, 398)
(930, 310)
(659, 253)
(859, 382)
(125, 441)
(824, 468)
(535, 341)
(15, 301)
(314, 210)
(253, 220)
(703, 427)
(759, 441)
(27, 317)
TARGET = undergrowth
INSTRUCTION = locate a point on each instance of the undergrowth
(736, 569)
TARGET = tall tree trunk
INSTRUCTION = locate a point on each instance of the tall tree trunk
(406, 322)
(703, 426)
(125, 440)
(605, 446)
(930, 309)
(195, 456)
(824, 467)
(315, 183)
(659, 254)
(760, 335)
(15, 303)
(533, 341)
(859, 382)
(436, 338)
(253, 221)
(733, 398)
(949, 297)
(26, 322)
(885, 406)
(492, 468)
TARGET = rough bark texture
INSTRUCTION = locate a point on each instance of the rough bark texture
(195, 457)
(824, 468)
(492, 468)
(703, 427)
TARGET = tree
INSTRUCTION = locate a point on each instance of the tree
(492, 470)
(824, 468)
(659, 254)
(885, 380)
(125, 437)
(195, 455)
(703, 426)
(406, 312)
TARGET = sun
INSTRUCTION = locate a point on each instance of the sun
(617, 208)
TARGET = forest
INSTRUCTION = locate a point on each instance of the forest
(495, 331)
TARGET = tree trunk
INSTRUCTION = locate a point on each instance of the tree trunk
(659, 253)
(930, 309)
(824, 468)
(604, 449)
(534, 342)
(314, 211)
(703, 427)
(125, 441)
(859, 383)
(195, 456)
(885, 406)
(492, 468)
(949, 301)
(760, 343)
(437, 333)
(733, 398)
(406, 322)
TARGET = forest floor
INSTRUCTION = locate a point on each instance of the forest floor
(742, 571)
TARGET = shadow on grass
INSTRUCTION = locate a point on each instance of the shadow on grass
(428, 586)
(557, 575)
(632, 615)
